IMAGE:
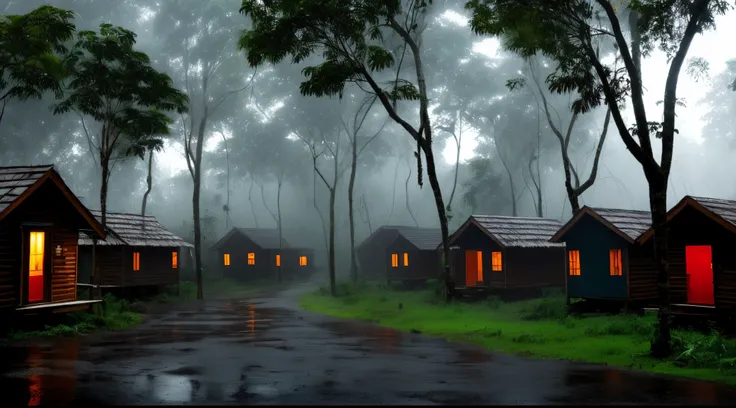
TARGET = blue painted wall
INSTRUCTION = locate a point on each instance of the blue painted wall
(594, 241)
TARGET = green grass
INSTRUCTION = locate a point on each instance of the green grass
(538, 328)
(111, 314)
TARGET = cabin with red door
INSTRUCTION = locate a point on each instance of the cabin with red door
(371, 252)
(413, 255)
(501, 252)
(138, 252)
(247, 254)
(606, 266)
(40, 223)
(701, 255)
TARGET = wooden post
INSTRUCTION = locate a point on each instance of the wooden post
(93, 291)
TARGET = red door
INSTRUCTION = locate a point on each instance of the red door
(471, 268)
(699, 268)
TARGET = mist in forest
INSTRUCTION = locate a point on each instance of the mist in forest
(268, 151)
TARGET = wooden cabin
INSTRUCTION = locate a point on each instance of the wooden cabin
(701, 256)
(501, 252)
(605, 262)
(138, 252)
(370, 253)
(255, 253)
(413, 255)
(40, 222)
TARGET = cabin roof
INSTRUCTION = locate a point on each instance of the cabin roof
(628, 224)
(18, 182)
(266, 238)
(425, 239)
(719, 210)
(134, 230)
(380, 230)
(515, 232)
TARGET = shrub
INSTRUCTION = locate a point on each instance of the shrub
(544, 308)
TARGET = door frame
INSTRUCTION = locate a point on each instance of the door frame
(48, 264)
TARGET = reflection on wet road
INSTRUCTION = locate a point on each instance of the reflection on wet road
(264, 351)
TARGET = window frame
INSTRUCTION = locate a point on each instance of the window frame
(574, 266)
(251, 258)
(496, 266)
(615, 259)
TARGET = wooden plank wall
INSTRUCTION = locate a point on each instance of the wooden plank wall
(64, 267)
(726, 289)
(9, 265)
(643, 273)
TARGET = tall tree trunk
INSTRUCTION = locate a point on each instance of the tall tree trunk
(278, 211)
(105, 164)
(514, 211)
(149, 185)
(250, 200)
(367, 214)
(434, 183)
(351, 215)
(196, 201)
(661, 346)
(333, 290)
(406, 194)
(393, 191)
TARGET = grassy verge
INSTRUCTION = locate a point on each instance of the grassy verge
(538, 328)
(111, 314)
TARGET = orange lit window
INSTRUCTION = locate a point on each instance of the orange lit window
(136, 261)
(226, 259)
(480, 266)
(574, 258)
(406, 259)
(174, 260)
(615, 257)
(303, 260)
(251, 258)
(496, 262)
(278, 260)
(394, 260)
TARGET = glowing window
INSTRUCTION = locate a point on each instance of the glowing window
(174, 260)
(251, 258)
(394, 260)
(406, 259)
(616, 264)
(36, 266)
(574, 260)
(278, 260)
(496, 262)
(303, 260)
(480, 266)
(136, 261)
(226, 259)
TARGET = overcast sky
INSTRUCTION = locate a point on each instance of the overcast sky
(654, 70)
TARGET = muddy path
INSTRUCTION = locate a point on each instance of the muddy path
(265, 350)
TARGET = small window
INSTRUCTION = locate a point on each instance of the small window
(616, 264)
(406, 259)
(303, 260)
(496, 262)
(278, 260)
(394, 260)
(136, 261)
(574, 258)
(226, 259)
(174, 260)
(251, 258)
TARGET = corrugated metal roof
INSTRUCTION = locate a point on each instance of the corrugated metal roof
(422, 238)
(134, 230)
(266, 238)
(520, 231)
(14, 181)
(725, 209)
(633, 223)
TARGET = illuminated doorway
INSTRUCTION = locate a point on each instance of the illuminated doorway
(473, 267)
(36, 267)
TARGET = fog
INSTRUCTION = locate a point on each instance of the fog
(261, 130)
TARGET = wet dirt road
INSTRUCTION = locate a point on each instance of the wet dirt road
(266, 351)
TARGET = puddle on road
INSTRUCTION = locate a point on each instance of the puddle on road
(371, 337)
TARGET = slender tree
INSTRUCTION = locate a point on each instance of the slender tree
(348, 33)
(572, 33)
(116, 86)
